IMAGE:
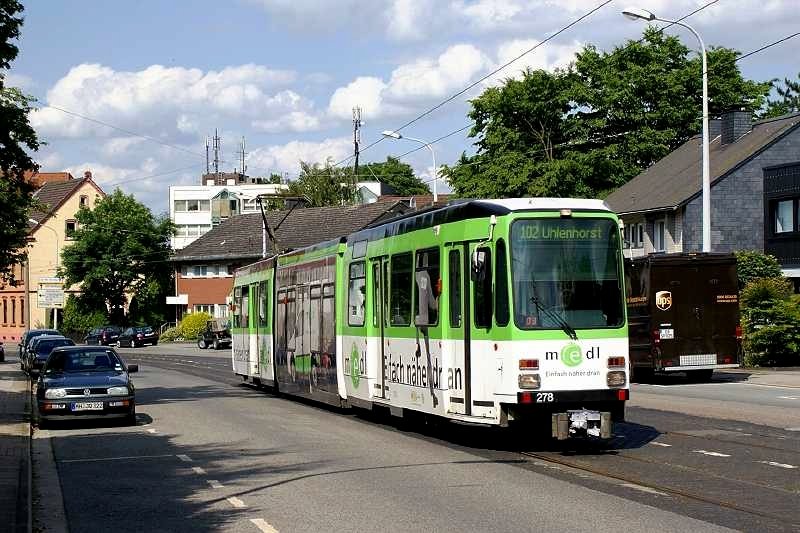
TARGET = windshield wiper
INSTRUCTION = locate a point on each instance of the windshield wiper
(560, 322)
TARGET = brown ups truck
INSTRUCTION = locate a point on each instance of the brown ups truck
(683, 314)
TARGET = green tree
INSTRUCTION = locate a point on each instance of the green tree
(396, 174)
(323, 185)
(788, 100)
(120, 250)
(17, 139)
(587, 129)
(752, 265)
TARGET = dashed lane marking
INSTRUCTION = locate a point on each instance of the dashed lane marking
(215, 484)
(712, 454)
(95, 459)
(789, 397)
(184, 458)
(642, 488)
(662, 444)
(792, 429)
(198, 470)
(262, 525)
(236, 502)
(150, 430)
(779, 465)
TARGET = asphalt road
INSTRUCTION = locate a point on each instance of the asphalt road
(211, 454)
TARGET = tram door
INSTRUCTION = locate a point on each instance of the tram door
(456, 330)
(380, 299)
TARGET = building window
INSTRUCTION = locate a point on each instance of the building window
(659, 231)
(22, 312)
(204, 308)
(84, 200)
(5, 311)
(784, 216)
(69, 228)
(199, 271)
(13, 311)
(639, 235)
(249, 205)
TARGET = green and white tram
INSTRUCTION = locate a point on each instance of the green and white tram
(486, 311)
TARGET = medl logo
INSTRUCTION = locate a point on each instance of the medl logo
(571, 354)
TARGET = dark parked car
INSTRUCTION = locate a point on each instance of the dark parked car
(216, 335)
(103, 336)
(79, 382)
(27, 337)
(2, 353)
(138, 336)
(40, 348)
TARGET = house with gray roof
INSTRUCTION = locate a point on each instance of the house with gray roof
(755, 193)
(204, 269)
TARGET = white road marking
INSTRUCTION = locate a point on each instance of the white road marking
(151, 430)
(184, 458)
(792, 429)
(198, 470)
(236, 502)
(779, 465)
(262, 524)
(215, 484)
(661, 444)
(642, 488)
(114, 458)
(713, 454)
(789, 397)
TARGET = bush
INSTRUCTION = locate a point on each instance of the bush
(773, 334)
(751, 265)
(78, 319)
(192, 324)
(170, 335)
(762, 292)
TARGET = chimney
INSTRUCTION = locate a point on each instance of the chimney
(714, 128)
(735, 123)
(87, 174)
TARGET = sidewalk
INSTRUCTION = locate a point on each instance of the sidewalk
(775, 377)
(14, 448)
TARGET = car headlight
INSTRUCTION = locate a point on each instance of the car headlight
(55, 394)
(118, 391)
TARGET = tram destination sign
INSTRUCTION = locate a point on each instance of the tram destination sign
(50, 293)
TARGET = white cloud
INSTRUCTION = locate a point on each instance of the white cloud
(486, 14)
(120, 145)
(365, 91)
(287, 157)
(169, 100)
(547, 57)
(407, 19)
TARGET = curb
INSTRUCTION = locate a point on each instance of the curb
(29, 414)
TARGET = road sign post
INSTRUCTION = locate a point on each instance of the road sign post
(51, 296)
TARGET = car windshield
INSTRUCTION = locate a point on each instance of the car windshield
(46, 346)
(566, 273)
(83, 361)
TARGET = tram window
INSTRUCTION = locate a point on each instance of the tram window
(501, 314)
(245, 307)
(429, 286)
(328, 319)
(376, 272)
(314, 318)
(482, 293)
(291, 320)
(263, 304)
(356, 294)
(400, 294)
(280, 333)
(237, 307)
(454, 288)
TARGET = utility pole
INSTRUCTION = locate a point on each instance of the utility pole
(356, 138)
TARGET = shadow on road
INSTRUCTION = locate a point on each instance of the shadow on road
(682, 378)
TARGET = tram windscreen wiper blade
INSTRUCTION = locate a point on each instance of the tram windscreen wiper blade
(563, 324)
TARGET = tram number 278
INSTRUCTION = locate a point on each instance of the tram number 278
(544, 397)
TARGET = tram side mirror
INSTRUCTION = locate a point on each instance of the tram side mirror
(478, 270)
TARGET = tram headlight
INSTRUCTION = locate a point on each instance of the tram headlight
(529, 381)
(616, 378)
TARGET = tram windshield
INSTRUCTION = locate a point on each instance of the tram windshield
(566, 274)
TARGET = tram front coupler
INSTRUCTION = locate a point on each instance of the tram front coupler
(582, 423)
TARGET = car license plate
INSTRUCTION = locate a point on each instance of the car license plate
(86, 406)
(667, 333)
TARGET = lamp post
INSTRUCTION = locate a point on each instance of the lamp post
(397, 135)
(27, 282)
(634, 13)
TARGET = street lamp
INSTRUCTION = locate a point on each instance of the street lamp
(28, 281)
(397, 135)
(635, 13)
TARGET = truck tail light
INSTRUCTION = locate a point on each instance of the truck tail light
(623, 394)
(656, 336)
(738, 332)
(727, 360)
(529, 364)
(616, 362)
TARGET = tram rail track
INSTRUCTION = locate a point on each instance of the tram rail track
(673, 491)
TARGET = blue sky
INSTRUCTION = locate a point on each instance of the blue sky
(286, 73)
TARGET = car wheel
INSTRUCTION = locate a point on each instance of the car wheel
(130, 420)
(201, 343)
(43, 424)
(155, 343)
(216, 344)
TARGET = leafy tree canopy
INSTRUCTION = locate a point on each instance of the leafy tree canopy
(396, 174)
(120, 250)
(17, 140)
(323, 185)
(788, 100)
(587, 129)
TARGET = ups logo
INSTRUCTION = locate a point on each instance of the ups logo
(663, 300)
